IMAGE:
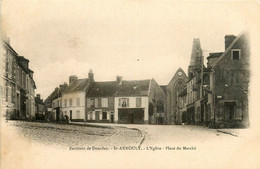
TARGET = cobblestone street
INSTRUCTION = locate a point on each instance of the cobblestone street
(64, 136)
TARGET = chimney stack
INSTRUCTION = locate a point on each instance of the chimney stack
(72, 78)
(91, 76)
(38, 96)
(119, 80)
(228, 40)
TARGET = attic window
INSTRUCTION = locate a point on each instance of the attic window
(235, 54)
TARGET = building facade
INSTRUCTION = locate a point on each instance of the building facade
(100, 102)
(17, 84)
(229, 81)
(173, 89)
(128, 102)
(73, 99)
(217, 95)
(139, 102)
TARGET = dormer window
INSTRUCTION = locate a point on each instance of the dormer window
(235, 54)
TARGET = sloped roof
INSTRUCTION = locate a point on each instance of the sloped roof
(176, 76)
(133, 88)
(163, 87)
(228, 49)
(77, 85)
(215, 55)
(102, 89)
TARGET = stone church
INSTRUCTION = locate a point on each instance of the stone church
(173, 89)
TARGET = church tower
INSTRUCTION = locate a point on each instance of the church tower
(196, 61)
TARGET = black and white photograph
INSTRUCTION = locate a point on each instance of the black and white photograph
(129, 84)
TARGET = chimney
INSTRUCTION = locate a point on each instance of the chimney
(119, 80)
(91, 76)
(72, 78)
(38, 96)
(228, 40)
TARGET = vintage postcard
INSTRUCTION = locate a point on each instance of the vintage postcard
(129, 84)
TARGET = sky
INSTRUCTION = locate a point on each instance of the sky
(134, 39)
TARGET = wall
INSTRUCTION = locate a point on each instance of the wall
(74, 106)
(132, 104)
(109, 109)
(231, 85)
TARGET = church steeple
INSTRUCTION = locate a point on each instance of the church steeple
(196, 60)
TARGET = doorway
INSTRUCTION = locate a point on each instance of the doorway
(229, 109)
(70, 114)
(112, 118)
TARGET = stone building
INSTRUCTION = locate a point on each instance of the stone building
(229, 81)
(175, 87)
(17, 84)
(217, 95)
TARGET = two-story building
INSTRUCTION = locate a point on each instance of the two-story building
(139, 102)
(100, 102)
(229, 81)
(74, 97)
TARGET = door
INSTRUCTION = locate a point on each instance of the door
(70, 114)
(229, 108)
(97, 115)
(112, 118)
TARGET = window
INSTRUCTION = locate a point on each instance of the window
(139, 102)
(96, 102)
(104, 102)
(78, 114)
(123, 102)
(78, 101)
(235, 54)
(65, 102)
(160, 106)
(90, 103)
(104, 115)
(58, 103)
(70, 102)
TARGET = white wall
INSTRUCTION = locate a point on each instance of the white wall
(132, 104)
(74, 106)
